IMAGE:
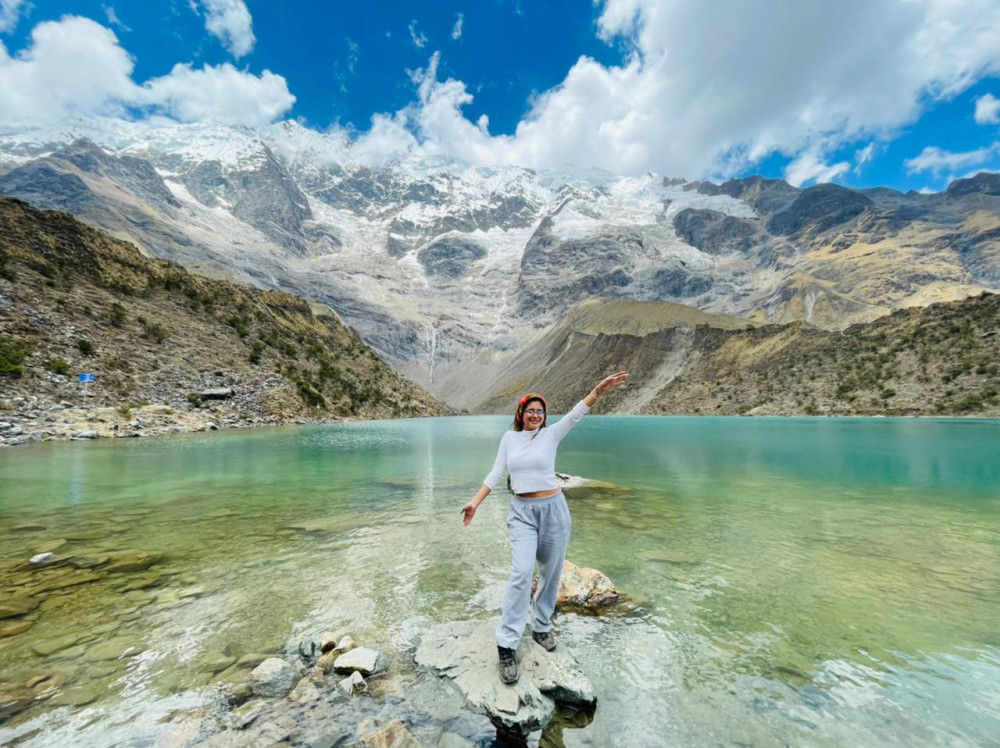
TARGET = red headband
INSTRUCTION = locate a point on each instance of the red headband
(519, 413)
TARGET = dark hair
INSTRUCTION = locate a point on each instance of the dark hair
(522, 404)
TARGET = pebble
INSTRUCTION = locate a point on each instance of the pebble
(41, 558)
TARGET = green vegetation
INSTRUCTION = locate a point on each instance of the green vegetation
(58, 366)
(156, 332)
(85, 347)
(12, 355)
(116, 315)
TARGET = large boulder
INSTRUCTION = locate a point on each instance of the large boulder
(589, 589)
(466, 652)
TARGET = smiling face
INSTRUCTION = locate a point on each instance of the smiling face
(533, 414)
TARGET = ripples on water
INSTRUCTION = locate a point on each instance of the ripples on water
(802, 581)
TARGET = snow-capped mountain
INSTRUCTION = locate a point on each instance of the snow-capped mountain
(436, 262)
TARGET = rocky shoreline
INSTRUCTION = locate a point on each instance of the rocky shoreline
(30, 419)
(324, 690)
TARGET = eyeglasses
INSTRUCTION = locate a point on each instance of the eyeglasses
(534, 412)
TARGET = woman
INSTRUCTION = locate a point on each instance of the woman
(538, 520)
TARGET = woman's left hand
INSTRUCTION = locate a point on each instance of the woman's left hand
(616, 379)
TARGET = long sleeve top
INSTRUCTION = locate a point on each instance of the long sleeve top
(530, 456)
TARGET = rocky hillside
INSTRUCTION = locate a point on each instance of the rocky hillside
(943, 359)
(439, 264)
(166, 345)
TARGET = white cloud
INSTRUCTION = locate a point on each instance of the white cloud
(698, 98)
(231, 23)
(10, 13)
(937, 161)
(419, 40)
(987, 110)
(113, 18)
(456, 31)
(810, 166)
(221, 93)
(75, 66)
(864, 155)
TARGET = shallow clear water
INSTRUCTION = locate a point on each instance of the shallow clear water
(789, 581)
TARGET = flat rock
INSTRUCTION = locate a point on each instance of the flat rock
(51, 546)
(361, 659)
(13, 629)
(51, 646)
(18, 606)
(273, 678)
(393, 735)
(114, 649)
(245, 715)
(130, 560)
(251, 660)
(466, 652)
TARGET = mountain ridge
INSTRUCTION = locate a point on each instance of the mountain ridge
(436, 262)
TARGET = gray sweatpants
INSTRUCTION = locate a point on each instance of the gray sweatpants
(539, 531)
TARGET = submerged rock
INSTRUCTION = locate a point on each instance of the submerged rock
(393, 735)
(576, 487)
(466, 652)
(18, 606)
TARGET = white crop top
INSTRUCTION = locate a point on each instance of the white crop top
(532, 461)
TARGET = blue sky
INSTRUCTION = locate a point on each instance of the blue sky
(901, 93)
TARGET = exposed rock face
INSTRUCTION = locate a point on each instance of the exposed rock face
(450, 257)
(819, 208)
(557, 274)
(466, 652)
(716, 233)
(984, 183)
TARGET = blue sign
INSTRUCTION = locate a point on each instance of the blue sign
(86, 377)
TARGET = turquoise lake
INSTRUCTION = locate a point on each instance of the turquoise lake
(789, 581)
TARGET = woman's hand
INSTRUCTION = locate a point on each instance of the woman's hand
(616, 379)
(468, 511)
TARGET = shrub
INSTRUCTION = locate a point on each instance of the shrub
(85, 347)
(195, 399)
(58, 366)
(12, 354)
(255, 352)
(239, 325)
(156, 332)
(125, 411)
(116, 315)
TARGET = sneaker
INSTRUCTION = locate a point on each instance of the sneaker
(509, 672)
(545, 639)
